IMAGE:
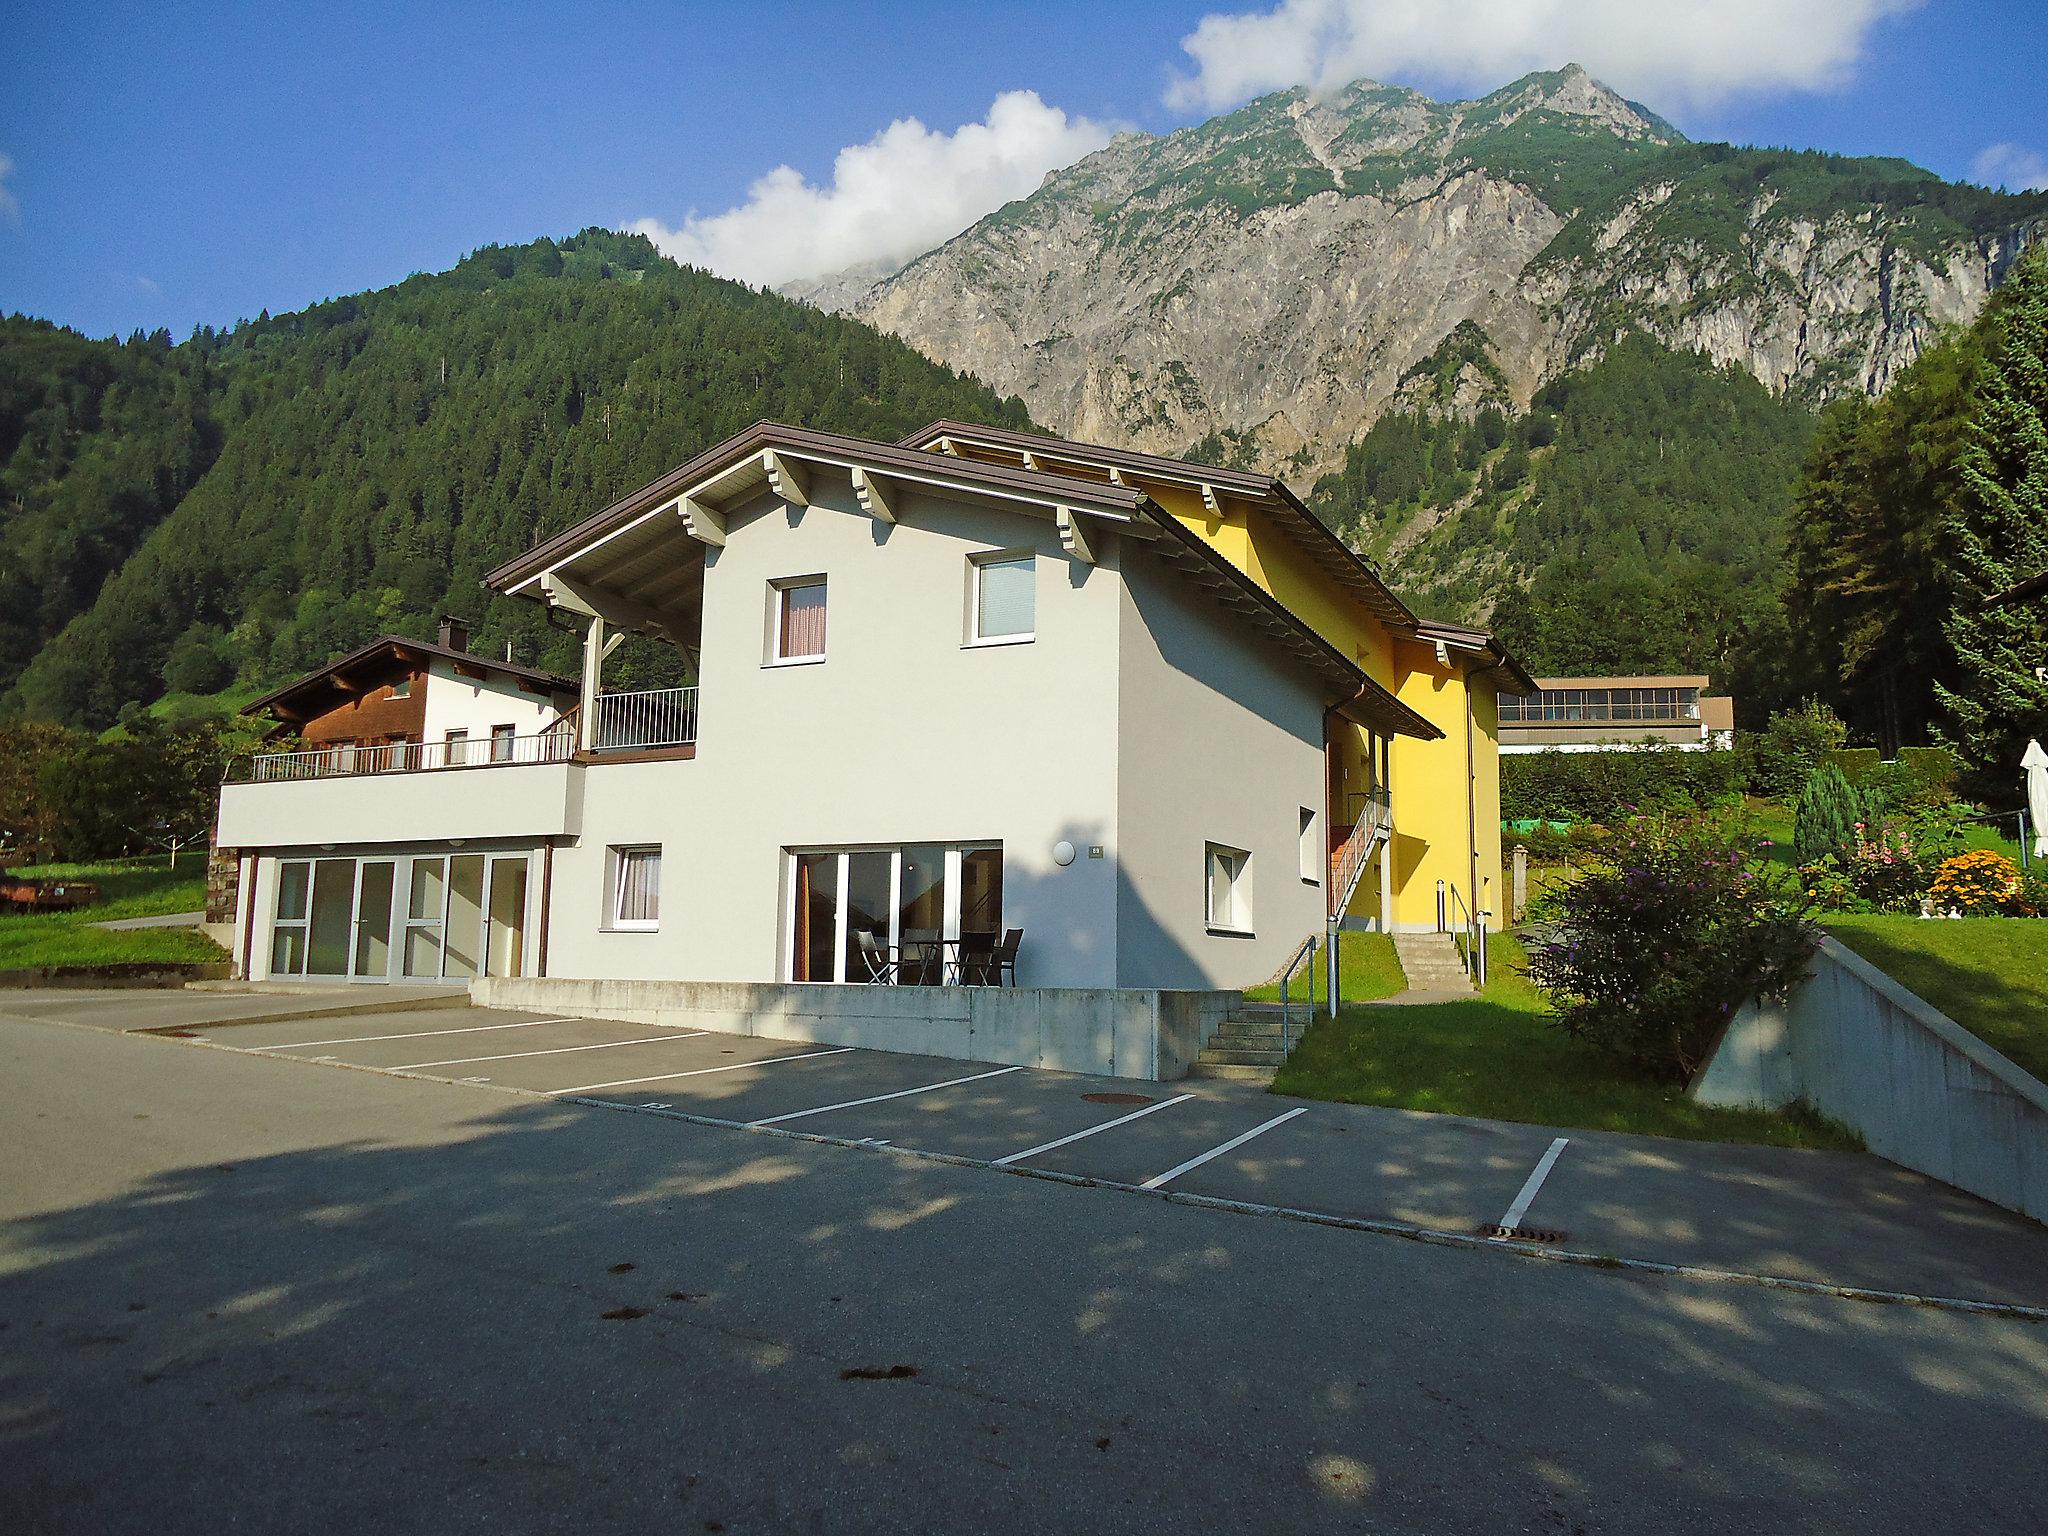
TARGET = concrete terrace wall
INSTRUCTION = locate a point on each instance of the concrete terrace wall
(1114, 1032)
(1918, 1087)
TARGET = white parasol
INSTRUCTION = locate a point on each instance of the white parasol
(2035, 762)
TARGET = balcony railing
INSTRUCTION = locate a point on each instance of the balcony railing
(553, 746)
(655, 717)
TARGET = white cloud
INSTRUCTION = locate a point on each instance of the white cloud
(1664, 51)
(904, 191)
(2012, 166)
(10, 206)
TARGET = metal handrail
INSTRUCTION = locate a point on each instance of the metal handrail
(1306, 955)
(1376, 818)
(1467, 931)
(651, 717)
(552, 746)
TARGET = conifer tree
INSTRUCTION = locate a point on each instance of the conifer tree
(1997, 535)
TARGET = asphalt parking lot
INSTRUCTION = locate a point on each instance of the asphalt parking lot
(1824, 1217)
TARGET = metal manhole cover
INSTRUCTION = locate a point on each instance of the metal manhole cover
(1524, 1234)
(1116, 1098)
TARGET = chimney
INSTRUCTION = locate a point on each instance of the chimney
(454, 632)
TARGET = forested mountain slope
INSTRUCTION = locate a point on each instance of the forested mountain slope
(1630, 520)
(356, 467)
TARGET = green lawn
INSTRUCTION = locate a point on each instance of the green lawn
(1989, 974)
(128, 888)
(1366, 969)
(1499, 1058)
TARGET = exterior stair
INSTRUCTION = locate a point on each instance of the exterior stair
(1247, 1046)
(1430, 962)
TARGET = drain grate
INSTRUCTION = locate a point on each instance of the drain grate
(1524, 1234)
(1116, 1098)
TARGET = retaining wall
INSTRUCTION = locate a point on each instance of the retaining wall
(1116, 1032)
(1918, 1087)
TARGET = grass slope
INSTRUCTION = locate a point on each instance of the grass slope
(1498, 1057)
(142, 887)
(1989, 974)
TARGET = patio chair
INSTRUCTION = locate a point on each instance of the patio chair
(1005, 958)
(873, 955)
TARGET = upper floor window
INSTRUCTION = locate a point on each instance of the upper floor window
(504, 739)
(798, 620)
(1004, 598)
(402, 689)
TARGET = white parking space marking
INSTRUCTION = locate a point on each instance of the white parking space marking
(1520, 1208)
(904, 1093)
(1160, 1181)
(557, 1050)
(420, 1034)
(1107, 1125)
(736, 1066)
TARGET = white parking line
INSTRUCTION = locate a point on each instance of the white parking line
(826, 1109)
(555, 1050)
(736, 1066)
(1107, 1125)
(1195, 1162)
(1520, 1208)
(422, 1034)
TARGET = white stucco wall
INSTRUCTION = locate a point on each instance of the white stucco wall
(902, 734)
(454, 702)
(1222, 741)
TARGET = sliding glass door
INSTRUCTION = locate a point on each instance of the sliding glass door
(437, 917)
(914, 903)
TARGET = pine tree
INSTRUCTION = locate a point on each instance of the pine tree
(1998, 533)
(1824, 817)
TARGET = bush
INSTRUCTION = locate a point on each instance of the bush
(1857, 764)
(1825, 818)
(1610, 787)
(1781, 757)
(1655, 955)
(1978, 884)
(1933, 772)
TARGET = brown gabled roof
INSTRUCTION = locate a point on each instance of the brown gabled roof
(774, 434)
(398, 650)
(1317, 540)
(1364, 699)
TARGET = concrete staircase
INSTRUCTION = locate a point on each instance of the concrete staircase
(1247, 1045)
(1430, 962)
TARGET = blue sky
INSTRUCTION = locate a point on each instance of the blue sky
(172, 164)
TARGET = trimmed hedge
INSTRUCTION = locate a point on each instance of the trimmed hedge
(1608, 787)
(1916, 776)
(1856, 763)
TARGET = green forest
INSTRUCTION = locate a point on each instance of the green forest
(1632, 519)
(228, 511)
(1650, 512)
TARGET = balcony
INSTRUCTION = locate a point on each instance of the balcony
(554, 746)
(621, 722)
(655, 717)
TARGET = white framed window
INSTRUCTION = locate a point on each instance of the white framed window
(635, 899)
(1311, 847)
(456, 750)
(1002, 598)
(503, 738)
(1228, 887)
(796, 620)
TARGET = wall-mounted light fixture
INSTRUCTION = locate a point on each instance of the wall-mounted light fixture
(1063, 853)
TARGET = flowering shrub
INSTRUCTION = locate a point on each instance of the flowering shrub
(1977, 884)
(1887, 865)
(1654, 954)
